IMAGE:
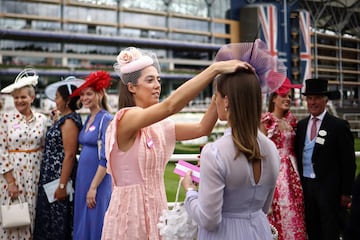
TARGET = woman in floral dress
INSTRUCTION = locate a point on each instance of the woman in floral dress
(22, 137)
(278, 124)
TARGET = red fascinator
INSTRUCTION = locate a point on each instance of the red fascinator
(97, 80)
(286, 86)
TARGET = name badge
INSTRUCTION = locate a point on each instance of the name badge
(320, 140)
(149, 143)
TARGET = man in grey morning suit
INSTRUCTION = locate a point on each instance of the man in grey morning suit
(326, 163)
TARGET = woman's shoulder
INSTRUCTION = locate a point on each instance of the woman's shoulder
(73, 116)
(121, 112)
(41, 116)
(106, 115)
(267, 118)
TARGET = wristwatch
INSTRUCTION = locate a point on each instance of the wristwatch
(62, 186)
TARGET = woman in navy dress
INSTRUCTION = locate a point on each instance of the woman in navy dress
(55, 220)
(93, 184)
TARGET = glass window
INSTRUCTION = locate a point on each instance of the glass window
(98, 2)
(157, 5)
(220, 8)
(189, 37)
(31, 8)
(9, 23)
(142, 19)
(90, 49)
(45, 25)
(90, 14)
(189, 24)
(189, 7)
(76, 28)
(30, 46)
(220, 28)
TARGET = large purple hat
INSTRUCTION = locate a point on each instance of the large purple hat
(271, 72)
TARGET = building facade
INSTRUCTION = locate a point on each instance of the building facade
(73, 37)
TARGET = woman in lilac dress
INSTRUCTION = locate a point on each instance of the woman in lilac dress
(93, 184)
(239, 170)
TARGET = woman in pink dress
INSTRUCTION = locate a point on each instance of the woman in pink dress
(287, 209)
(141, 139)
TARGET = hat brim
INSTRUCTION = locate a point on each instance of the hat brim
(83, 86)
(25, 81)
(50, 91)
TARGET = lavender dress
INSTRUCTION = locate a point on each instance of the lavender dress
(230, 205)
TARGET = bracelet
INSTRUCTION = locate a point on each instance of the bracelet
(190, 189)
(9, 184)
(12, 183)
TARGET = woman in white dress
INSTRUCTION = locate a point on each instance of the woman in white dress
(22, 137)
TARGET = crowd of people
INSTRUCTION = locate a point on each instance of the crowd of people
(267, 170)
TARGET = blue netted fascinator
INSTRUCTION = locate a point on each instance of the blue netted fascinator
(270, 71)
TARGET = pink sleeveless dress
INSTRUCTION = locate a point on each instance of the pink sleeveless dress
(138, 195)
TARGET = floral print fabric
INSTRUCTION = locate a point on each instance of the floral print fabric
(287, 209)
(55, 220)
(18, 134)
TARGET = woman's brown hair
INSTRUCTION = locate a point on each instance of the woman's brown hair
(243, 91)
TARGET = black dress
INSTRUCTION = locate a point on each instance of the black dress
(54, 220)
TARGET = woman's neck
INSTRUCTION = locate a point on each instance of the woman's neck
(27, 113)
(94, 111)
(67, 111)
(278, 113)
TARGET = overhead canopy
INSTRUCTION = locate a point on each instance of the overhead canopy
(339, 16)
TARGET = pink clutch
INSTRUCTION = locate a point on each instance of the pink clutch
(183, 167)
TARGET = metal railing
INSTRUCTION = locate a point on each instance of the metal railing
(195, 157)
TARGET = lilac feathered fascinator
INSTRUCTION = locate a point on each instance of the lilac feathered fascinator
(270, 71)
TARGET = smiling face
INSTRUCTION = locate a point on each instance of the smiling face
(148, 88)
(23, 98)
(316, 104)
(282, 102)
(90, 99)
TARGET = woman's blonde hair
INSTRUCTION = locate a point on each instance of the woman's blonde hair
(29, 88)
(243, 91)
(104, 101)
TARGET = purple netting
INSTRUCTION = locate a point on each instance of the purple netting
(271, 72)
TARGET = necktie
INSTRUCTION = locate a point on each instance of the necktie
(313, 128)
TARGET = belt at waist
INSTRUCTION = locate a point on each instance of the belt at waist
(25, 150)
(243, 215)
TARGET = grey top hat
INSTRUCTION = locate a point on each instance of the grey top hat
(316, 86)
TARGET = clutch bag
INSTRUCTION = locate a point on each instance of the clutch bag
(51, 187)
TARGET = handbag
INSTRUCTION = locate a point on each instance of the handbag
(175, 223)
(15, 214)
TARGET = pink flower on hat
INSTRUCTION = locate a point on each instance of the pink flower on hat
(128, 55)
